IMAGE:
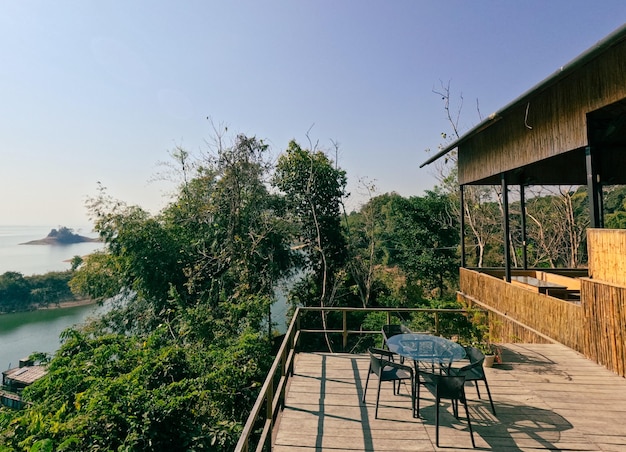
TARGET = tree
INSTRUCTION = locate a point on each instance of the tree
(220, 243)
(14, 292)
(313, 190)
(428, 241)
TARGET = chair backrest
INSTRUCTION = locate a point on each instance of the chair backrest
(379, 359)
(474, 355)
(448, 386)
(392, 330)
(474, 370)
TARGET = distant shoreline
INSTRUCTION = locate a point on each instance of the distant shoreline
(68, 304)
(60, 305)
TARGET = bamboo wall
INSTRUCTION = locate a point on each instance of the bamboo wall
(607, 255)
(552, 122)
(548, 315)
(604, 329)
(596, 327)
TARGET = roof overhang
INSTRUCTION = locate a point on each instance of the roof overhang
(608, 42)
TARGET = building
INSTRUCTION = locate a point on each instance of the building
(16, 379)
(570, 129)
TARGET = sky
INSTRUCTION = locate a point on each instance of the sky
(100, 92)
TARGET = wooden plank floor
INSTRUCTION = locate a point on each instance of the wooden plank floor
(547, 397)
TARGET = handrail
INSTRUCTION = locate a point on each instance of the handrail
(267, 395)
(272, 393)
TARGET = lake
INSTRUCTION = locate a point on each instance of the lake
(39, 259)
(26, 332)
(23, 333)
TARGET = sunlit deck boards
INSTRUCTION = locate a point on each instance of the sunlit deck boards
(547, 397)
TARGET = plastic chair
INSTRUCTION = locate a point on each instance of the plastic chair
(452, 388)
(393, 330)
(474, 372)
(382, 364)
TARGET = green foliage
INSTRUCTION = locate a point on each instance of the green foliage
(14, 292)
(615, 207)
(113, 391)
(313, 190)
(428, 241)
(20, 293)
(418, 236)
(177, 363)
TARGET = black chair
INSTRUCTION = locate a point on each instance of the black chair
(393, 330)
(474, 371)
(452, 388)
(382, 364)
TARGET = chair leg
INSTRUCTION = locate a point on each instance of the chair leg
(377, 399)
(417, 395)
(413, 396)
(437, 422)
(477, 389)
(469, 423)
(455, 408)
(493, 408)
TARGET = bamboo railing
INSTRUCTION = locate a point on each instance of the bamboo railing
(595, 326)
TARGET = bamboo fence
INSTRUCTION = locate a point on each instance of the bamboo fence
(595, 327)
(607, 255)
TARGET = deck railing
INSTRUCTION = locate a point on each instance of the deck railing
(258, 430)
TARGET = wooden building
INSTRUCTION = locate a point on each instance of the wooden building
(19, 377)
(16, 379)
(570, 129)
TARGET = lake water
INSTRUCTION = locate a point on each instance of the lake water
(26, 332)
(23, 333)
(39, 259)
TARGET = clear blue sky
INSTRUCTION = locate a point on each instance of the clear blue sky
(102, 90)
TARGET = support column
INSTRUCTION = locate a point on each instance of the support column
(522, 204)
(462, 219)
(506, 227)
(594, 187)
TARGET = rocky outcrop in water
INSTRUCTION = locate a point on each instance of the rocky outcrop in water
(61, 236)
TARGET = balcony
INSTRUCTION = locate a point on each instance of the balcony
(547, 397)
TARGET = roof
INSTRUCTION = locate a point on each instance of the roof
(24, 375)
(602, 46)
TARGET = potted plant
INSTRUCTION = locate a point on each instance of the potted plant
(493, 353)
(480, 338)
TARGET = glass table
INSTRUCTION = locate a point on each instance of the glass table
(426, 349)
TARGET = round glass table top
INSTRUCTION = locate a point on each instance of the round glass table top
(426, 347)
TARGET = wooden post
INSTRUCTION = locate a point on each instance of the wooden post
(594, 187)
(462, 198)
(506, 227)
(345, 330)
(522, 203)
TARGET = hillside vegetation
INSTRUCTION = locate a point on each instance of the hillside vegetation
(177, 364)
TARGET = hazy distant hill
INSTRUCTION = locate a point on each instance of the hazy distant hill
(61, 236)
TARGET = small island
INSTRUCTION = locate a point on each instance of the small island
(61, 236)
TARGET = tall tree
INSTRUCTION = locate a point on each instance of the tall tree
(428, 236)
(313, 189)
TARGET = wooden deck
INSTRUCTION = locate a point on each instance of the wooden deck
(547, 397)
